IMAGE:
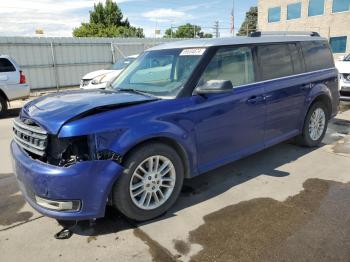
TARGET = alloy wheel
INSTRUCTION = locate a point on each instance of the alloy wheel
(317, 124)
(152, 182)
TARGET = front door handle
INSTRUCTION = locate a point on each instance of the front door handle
(255, 99)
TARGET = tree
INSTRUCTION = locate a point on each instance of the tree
(187, 31)
(250, 23)
(107, 21)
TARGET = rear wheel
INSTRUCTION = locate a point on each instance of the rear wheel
(3, 106)
(151, 182)
(315, 125)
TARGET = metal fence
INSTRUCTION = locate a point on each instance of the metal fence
(61, 62)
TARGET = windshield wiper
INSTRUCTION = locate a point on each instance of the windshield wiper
(130, 90)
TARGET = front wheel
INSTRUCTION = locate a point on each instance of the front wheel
(151, 182)
(315, 125)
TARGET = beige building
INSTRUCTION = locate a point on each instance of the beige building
(331, 18)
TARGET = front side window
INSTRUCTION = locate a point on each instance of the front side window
(340, 6)
(316, 7)
(274, 14)
(160, 72)
(317, 55)
(234, 64)
(6, 66)
(275, 61)
(293, 11)
(338, 44)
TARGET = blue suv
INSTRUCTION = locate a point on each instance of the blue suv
(181, 109)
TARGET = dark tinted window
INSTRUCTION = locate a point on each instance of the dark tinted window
(296, 55)
(6, 65)
(317, 55)
(275, 61)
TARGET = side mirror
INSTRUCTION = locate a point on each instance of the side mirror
(214, 87)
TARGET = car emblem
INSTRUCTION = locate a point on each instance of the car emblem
(348, 77)
(28, 122)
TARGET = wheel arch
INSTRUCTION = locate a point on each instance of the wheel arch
(326, 100)
(2, 94)
(167, 141)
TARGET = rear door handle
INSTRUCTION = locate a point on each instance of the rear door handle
(307, 86)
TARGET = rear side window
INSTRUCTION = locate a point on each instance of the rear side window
(275, 61)
(298, 63)
(6, 66)
(317, 55)
(231, 63)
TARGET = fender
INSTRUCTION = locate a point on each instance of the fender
(317, 91)
(155, 130)
(122, 129)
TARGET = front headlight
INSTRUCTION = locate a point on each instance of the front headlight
(99, 80)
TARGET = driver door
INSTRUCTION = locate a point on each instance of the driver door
(230, 125)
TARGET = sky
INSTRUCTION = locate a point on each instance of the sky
(60, 17)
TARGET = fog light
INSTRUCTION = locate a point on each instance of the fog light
(73, 205)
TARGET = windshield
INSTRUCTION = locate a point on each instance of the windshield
(347, 58)
(121, 64)
(160, 72)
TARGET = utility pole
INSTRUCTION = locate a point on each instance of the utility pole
(216, 29)
(194, 31)
(233, 18)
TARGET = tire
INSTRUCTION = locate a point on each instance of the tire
(306, 138)
(133, 207)
(3, 106)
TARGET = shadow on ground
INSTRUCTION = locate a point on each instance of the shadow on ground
(11, 202)
(216, 182)
(207, 186)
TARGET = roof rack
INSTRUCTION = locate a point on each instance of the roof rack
(283, 33)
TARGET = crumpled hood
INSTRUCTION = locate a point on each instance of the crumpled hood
(109, 73)
(53, 111)
(343, 67)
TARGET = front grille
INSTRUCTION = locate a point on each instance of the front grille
(85, 82)
(30, 137)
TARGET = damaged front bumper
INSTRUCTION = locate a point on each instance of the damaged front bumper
(51, 190)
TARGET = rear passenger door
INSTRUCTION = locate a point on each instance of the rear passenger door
(285, 89)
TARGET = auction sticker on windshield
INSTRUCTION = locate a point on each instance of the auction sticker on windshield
(192, 51)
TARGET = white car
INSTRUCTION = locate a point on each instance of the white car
(343, 67)
(12, 82)
(99, 79)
